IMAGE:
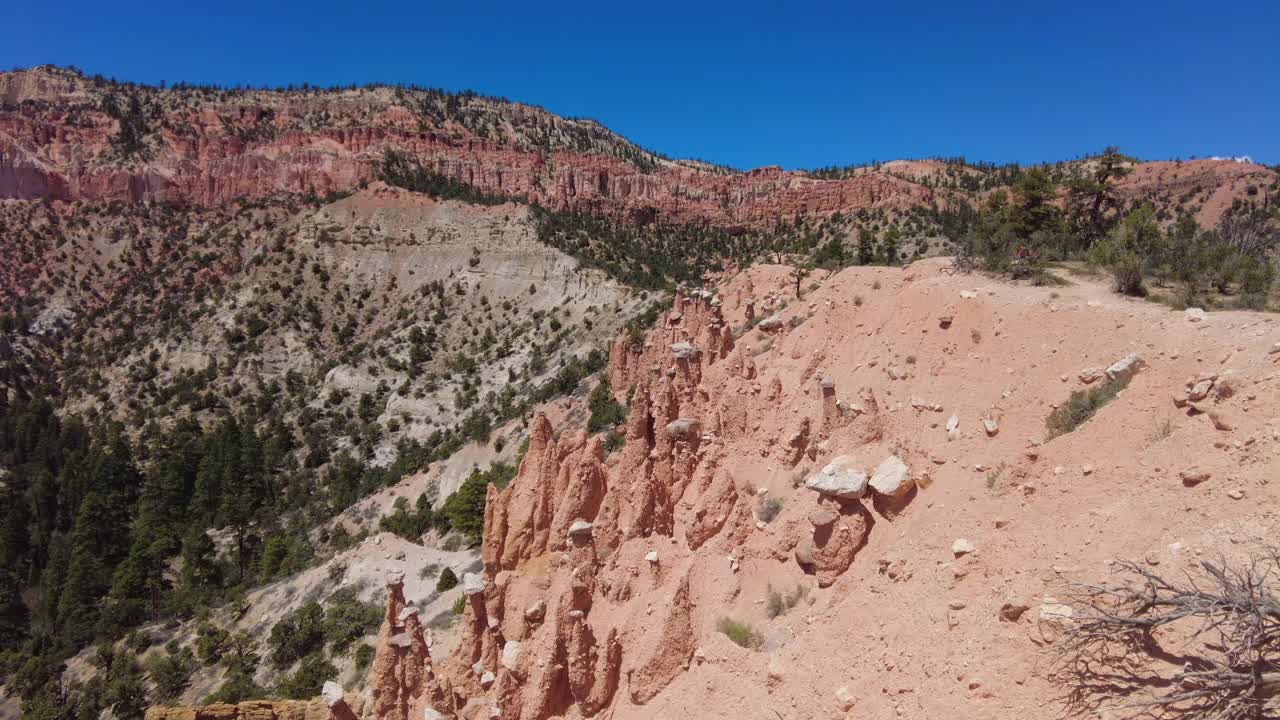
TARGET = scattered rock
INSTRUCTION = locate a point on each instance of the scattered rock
(804, 554)
(962, 547)
(840, 479)
(1235, 494)
(944, 321)
(580, 529)
(652, 557)
(487, 679)
(535, 612)
(1200, 390)
(1012, 611)
(822, 518)
(1220, 421)
(1125, 367)
(1091, 375)
(1193, 476)
(953, 422)
(1194, 314)
(957, 605)
(1054, 612)
(891, 478)
(991, 426)
(844, 699)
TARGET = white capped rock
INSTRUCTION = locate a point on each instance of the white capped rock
(431, 714)
(1125, 367)
(332, 693)
(953, 422)
(685, 351)
(580, 528)
(840, 479)
(683, 428)
(472, 583)
(1054, 612)
(891, 477)
(511, 655)
(845, 699)
(771, 323)
(652, 557)
(487, 679)
(961, 547)
(1200, 390)
(1194, 314)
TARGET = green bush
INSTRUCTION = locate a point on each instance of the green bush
(170, 674)
(740, 633)
(464, 510)
(1128, 275)
(346, 619)
(307, 680)
(298, 635)
(777, 603)
(448, 580)
(606, 413)
(613, 441)
(364, 656)
(768, 509)
(1081, 406)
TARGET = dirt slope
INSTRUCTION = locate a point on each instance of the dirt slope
(907, 626)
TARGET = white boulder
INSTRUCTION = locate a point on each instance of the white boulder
(840, 479)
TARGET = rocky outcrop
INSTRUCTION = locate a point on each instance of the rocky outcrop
(249, 710)
(402, 683)
(253, 144)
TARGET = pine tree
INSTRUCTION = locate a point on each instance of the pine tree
(200, 569)
(1035, 212)
(866, 247)
(125, 692)
(15, 618)
(86, 575)
(1091, 196)
(891, 246)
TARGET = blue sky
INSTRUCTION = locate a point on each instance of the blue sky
(745, 83)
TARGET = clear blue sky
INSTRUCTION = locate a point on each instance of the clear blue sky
(745, 83)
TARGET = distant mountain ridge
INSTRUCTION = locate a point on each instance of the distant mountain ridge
(65, 136)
